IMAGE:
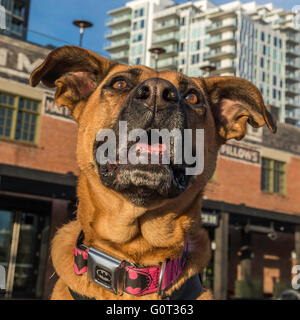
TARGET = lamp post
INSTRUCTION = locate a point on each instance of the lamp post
(208, 69)
(157, 52)
(82, 24)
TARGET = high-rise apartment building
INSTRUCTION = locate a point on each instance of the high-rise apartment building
(16, 13)
(258, 42)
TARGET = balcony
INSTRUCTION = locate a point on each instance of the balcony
(219, 54)
(222, 27)
(221, 15)
(292, 52)
(166, 14)
(117, 33)
(291, 104)
(291, 91)
(119, 20)
(117, 46)
(291, 117)
(291, 39)
(168, 26)
(122, 57)
(218, 41)
(166, 39)
(291, 78)
(166, 64)
(119, 11)
(292, 65)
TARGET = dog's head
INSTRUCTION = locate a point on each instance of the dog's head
(151, 106)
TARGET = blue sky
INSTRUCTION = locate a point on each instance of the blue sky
(54, 18)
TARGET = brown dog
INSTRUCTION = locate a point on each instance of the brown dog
(143, 214)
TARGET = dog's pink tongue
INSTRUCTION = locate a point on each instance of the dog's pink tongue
(157, 148)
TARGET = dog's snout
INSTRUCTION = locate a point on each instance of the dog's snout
(156, 93)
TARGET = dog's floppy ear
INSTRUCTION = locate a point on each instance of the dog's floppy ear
(74, 71)
(236, 101)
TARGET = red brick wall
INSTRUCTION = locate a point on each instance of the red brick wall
(239, 182)
(55, 152)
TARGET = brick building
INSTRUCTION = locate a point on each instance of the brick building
(37, 170)
(251, 207)
(255, 196)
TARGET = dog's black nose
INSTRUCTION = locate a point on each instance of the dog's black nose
(156, 93)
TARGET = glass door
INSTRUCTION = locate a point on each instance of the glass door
(23, 252)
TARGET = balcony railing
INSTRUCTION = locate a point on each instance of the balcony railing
(120, 55)
(115, 44)
(219, 39)
(220, 25)
(290, 114)
(118, 19)
(116, 32)
(166, 38)
(220, 53)
(167, 25)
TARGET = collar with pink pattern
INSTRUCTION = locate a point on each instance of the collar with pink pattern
(123, 276)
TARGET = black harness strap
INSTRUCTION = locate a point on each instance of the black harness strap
(77, 296)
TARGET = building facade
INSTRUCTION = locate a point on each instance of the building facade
(16, 14)
(256, 42)
(37, 171)
(253, 198)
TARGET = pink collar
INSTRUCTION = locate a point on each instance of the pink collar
(136, 280)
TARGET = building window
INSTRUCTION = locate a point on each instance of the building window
(274, 80)
(136, 13)
(18, 118)
(262, 62)
(262, 36)
(182, 21)
(275, 41)
(273, 175)
(198, 45)
(195, 58)
(138, 60)
(141, 12)
(142, 24)
(181, 47)
(280, 43)
(135, 26)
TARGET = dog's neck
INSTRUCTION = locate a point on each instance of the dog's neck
(137, 234)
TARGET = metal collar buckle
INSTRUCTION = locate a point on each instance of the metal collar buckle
(160, 292)
(106, 271)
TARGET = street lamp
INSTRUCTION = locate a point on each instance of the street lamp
(82, 25)
(208, 69)
(157, 52)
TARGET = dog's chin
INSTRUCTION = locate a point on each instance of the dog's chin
(144, 184)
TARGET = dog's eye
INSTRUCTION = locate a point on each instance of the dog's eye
(192, 98)
(120, 84)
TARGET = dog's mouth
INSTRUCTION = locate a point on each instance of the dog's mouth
(155, 177)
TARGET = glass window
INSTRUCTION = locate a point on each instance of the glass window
(262, 36)
(142, 24)
(275, 41)
(262, 62)
(273, 176)
(18, 117)
(141, 12)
